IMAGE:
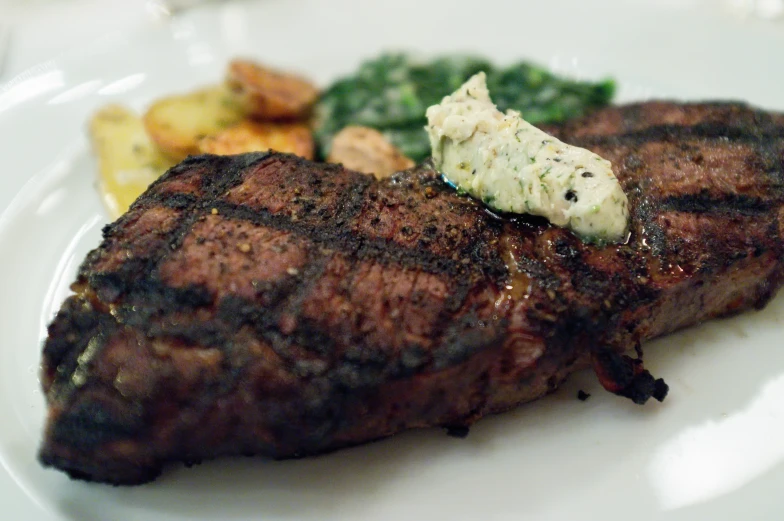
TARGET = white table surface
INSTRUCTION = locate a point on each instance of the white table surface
(40, 30)
(43, 29)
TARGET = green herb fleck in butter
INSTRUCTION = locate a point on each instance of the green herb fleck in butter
(514, 167)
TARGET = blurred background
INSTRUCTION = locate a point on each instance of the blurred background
(33, 31)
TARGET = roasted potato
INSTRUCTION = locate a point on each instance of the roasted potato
(177, 123)
(128, 161)
(268, 94)
(253, 136)
(367, 150)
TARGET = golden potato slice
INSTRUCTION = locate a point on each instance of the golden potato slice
(252, 136)
(128, 161)
(177, 123)
(366, 150)
(269, 94)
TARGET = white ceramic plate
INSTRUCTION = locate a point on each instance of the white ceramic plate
(712, 451)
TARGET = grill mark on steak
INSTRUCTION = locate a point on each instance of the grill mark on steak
(730, 204)
(640, 116)
(379, 306)
(334, 236)
(680, 133)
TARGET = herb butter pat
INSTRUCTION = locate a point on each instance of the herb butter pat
(514, 167)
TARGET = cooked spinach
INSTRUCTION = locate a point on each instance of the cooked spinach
(392, 92)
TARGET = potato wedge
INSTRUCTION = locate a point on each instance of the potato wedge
(269, 94)
(253, 136)
(177, 123)
(366, 150)
(128, 161)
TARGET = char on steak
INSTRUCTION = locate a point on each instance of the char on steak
(263, 304)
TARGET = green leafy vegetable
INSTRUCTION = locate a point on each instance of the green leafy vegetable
(392, 92)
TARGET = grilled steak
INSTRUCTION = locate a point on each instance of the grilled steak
(264, 304)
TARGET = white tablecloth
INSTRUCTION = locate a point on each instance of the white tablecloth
(42, 29)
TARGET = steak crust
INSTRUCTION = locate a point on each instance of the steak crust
(263, 304)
